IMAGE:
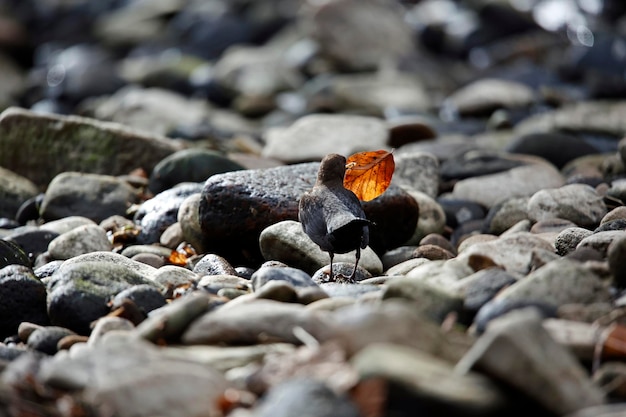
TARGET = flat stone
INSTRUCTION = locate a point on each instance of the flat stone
(106, 148)
(578, 203)
(559, 282)
(518, 350)
(314, 136)
(78, 241)
(488, 94)
(429, 300)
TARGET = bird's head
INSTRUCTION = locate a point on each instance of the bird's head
(332, 168)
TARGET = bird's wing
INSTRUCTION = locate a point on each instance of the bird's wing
(311, 216)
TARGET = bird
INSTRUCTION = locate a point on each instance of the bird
(331, 215)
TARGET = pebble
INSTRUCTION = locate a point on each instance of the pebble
(211, 264)
(293, 276)
(530, 360)
(14, 190)
(505, 214)
(568, 239)
(417, 171)
(578, 203)
(78, 241)
(260, 321)
(45, 339)
(432, 301)
(486, 95)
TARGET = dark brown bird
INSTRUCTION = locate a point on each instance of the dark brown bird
(331, 215)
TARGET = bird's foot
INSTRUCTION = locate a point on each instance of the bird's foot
(342, 279)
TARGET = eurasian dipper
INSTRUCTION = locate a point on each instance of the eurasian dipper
(331, 215)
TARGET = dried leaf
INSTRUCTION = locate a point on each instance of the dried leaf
(368, 174)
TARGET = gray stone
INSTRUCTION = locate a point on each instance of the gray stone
(303, 396)
(429, 300)
(237, 206)
(314, 136)
(361, 35)
(106, 148)
(518, 350)
(78, 292)
(189, 220)
(96, 197)
(14, 190)
(578, 203)
(600, 241)
(357, 291)
(429, 381)
(513, 251)
(108, 324)
(480, 287)
(488, 94)
(172, 276)
(567, 241)
(417, 171)
(46, 338)
(506, 214)
(524, 180)
(258, 321)
(66, 224)
(286, 242)
(559, 282)
(616, 255)
(78, 241)
(152, 110)
(296, 277)
(432, 217)
(211, 264)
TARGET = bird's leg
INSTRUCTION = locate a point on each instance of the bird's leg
(330, 275)
(356, 263)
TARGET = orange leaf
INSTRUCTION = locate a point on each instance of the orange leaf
(368, 174)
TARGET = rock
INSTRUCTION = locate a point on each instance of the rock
(484, 96)
(314, 136)
(152, 110)
(394, 321)
(189, 165)
(497, 308)
(34, 241)
(576, 202)
(161, 211)
(429, 300)
(341, 270)
(14, 191)
(259, 321)
(475, 162)
(236, 207)
(216, 283)
(345, 33)
(568, 239)
(518, 350)
(93, 196)
(106, 148)
(286, 242)
(442, 274)
(303, 396)
(78, 292)
(108, 324)
(212, 264)
(559, 282)
(78, 241)
(613, 225)
(608, 410)
(22, 298)
(432, 218)
(616, 256)
(420, 380)
(296, 277)
(600, 241)
(66, 224)
(45, 339)
(600, 117)
(12, 254)
(356, 291)
(107, 372)
(512, 252)
(506, 214)
(480, 287)
(417, 171)
(145, 297)
(171, 276)
(558, 148)
(524, 180)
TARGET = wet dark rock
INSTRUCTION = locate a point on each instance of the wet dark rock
(45, 339)
(78, 292)
(461, 211)
(189, 165)
(161, 211)
(304, 396)
(212, 264)
(476, 163)
(236, 207)
(558, 148)
(22, 298)
(89, 195)
(145, 297)
(296, 277)
(34, 241)
(106, 148)
(12, 254)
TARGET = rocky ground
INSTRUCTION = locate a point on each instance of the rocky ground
(152, 155)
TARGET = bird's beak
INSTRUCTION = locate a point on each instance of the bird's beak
(350, 165)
